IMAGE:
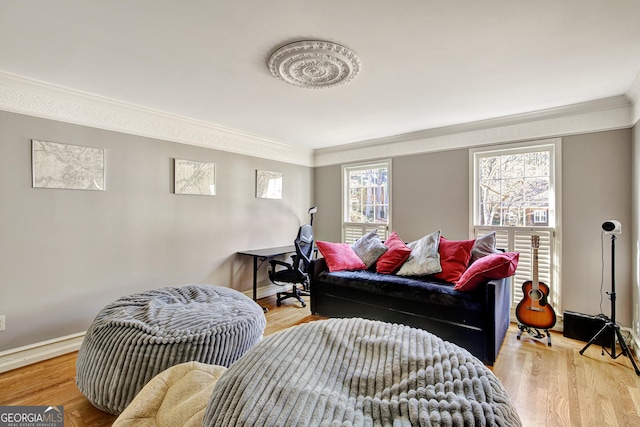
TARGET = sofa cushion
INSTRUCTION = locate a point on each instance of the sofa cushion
(394, 257)
(424, 258)
(421, 289)
(494, 266)
(369, 248)
(454, 258)
(340, 256)
(483, 246)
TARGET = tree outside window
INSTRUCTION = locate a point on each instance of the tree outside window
(366, 199)
(514, 189)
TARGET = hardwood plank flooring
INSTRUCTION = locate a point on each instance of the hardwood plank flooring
(550, 386)
(557, 386)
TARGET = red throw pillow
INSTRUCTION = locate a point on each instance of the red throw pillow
(391, 261)
(494, 266)
(340, 256)
(454, 258)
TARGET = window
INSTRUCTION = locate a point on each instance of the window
(366, 200)
(540, 217)
(515, 193)
(513, 186)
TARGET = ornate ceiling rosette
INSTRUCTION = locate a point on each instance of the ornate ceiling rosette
(314, 64)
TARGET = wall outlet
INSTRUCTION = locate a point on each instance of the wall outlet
(2, 323)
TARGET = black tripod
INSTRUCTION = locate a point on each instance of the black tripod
(611, 324)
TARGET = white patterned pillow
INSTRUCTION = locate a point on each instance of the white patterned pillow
(424, 258)
(369, 248)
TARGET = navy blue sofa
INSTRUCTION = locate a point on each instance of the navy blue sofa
(476, 320)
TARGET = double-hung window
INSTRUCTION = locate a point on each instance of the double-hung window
(366, 199)
(516, 193)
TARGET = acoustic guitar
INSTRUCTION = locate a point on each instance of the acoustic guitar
(534, 310)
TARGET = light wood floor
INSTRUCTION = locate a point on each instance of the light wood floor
(553, 386)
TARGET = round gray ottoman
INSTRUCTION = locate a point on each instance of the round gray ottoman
(138, 336)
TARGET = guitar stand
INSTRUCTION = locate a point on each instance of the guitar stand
(534, 332)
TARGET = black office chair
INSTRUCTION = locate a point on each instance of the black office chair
(295, 273)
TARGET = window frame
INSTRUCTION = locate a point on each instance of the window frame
(554, 214)
(365, 227)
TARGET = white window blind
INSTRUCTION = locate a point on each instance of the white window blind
(518, 239)
(352, 231)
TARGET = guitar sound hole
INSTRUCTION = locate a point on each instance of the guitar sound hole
(536, 294)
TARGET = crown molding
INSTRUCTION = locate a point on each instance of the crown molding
(601, 115)
(35, 98)
(633, 93)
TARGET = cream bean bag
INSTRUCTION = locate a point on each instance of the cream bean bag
(175, 397)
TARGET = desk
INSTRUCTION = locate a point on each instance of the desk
(264, 255)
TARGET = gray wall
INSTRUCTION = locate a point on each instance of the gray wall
(635, 228)
(328, 181)
(419, 206)
(596, 173)
(64, 254)
(431, 192)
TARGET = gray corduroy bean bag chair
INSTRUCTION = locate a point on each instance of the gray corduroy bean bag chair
(138, 336)
(357, 372)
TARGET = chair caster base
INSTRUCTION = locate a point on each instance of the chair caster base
(281, 296)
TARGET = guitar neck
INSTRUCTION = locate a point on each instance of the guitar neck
(535, 282)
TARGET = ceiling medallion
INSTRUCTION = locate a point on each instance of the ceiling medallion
(314, 64)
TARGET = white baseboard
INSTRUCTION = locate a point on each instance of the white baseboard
(267, 291)
(635, 341)
(37, 352)
(29, 354)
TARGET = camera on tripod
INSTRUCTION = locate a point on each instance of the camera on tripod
(612, 226)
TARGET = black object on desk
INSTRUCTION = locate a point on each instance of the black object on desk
(264, 255)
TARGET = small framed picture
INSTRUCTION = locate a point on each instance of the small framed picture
(268, 185)
(191, 177)
(72, 167)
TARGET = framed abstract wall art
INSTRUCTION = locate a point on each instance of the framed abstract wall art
(268, 185)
